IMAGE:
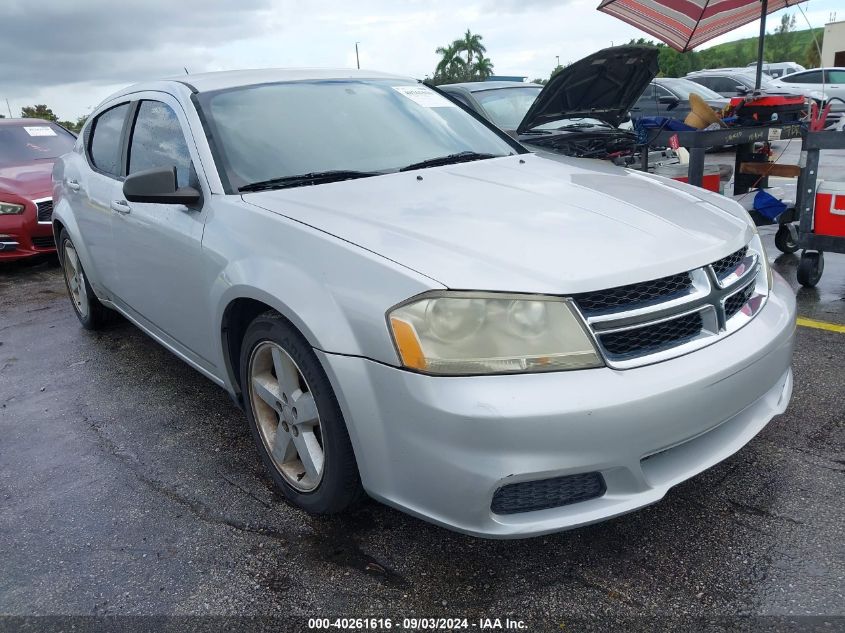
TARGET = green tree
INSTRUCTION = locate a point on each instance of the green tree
(451, 67)
(471, 44)
(483, 67)
(462, 60)
(811, 58)
(39, 111)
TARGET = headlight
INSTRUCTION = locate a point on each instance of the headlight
(7, 208)
(461, 333)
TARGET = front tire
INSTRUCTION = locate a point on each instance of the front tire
(92, 314)
(295, 419)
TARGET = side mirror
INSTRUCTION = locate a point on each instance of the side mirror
(158, 186)
(741, 90)
(671, 102)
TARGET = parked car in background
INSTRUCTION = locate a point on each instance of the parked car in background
(578, 112)
(728, 82)
(490, 339)
(777, 69)
(667, 96)
(830, 81)
(733, 83)
(28, 148)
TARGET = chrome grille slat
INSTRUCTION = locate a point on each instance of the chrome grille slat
(656, 324)
(45, 210)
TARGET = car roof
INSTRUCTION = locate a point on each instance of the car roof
(478, 86)
(721, 71)
(207, 82)
(15, 122)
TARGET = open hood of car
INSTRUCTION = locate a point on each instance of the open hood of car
(602, 86)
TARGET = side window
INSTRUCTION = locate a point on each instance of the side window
(662, 92)
(835, 76)
(707, 82)
(811, 77)
(157, 141)
(648, 94)
(105, 140)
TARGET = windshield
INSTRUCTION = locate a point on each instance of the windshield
(683, 87)
(506, 107)
(29, 142)
(274, 131)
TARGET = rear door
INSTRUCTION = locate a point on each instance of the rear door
(835, 86)
(93, 187)
(159, 246)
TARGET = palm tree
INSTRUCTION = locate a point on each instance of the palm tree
(471, 44)
(450, 60)
(483, 68)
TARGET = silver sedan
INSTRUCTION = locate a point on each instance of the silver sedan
(408, 304)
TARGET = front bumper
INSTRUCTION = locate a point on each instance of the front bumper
(23, 235)
(439, 447)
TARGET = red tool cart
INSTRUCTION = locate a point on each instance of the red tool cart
(821, 207)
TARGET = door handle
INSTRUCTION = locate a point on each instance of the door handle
(121, 206)
(73, 184)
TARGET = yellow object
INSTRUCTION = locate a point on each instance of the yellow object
(409, 345)
(821, 325)
(702, 114)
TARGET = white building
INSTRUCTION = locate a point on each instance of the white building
(833, 46)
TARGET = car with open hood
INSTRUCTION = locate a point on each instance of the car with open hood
(409, 305)
(28, 148)
(578, 112)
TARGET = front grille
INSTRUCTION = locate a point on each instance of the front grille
(727, 265)
(634, 295)
(653, 337)
(735, 302)
(44, 242)
(656, 320)
(528, 496)
(45, 211)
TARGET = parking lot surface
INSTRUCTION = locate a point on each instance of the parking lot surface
(129, 485)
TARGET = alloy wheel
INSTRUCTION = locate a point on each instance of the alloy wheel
(75, 278)
(286, 415)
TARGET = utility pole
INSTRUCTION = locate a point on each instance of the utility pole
(357, 60)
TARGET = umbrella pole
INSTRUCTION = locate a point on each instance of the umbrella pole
(760, 44)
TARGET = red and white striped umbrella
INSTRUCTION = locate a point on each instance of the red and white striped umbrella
(685, 24)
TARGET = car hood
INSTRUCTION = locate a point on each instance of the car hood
(29, 180)
(523, 223)
(603, 86)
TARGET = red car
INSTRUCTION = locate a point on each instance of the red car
(28, 148)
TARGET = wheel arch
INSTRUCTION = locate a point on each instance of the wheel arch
(240, 310)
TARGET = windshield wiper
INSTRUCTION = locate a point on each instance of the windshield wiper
(311, 178)
(460, 157)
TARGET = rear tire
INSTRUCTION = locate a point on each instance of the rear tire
(295, 419)
(92, 314)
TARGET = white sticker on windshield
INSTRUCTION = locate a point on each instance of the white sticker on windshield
(426, 97)
(39, 130)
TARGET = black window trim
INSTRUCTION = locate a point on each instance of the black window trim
(123, 139)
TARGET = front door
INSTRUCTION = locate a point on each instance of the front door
(158, 247)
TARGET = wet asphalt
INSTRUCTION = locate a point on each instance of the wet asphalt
(129, 485)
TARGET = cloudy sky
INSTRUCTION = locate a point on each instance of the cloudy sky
(70, 54)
